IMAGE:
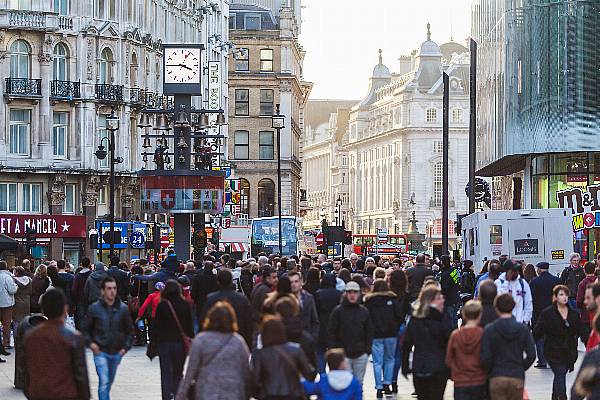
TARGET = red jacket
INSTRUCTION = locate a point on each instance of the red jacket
(586, 318)
(593, 341)
(463, 357)
(152, 300)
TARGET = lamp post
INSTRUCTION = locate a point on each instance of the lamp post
(278, 123)
(338, 205)
(112, 125)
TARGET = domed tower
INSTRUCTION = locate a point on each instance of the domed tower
(428, 63)
(380, 77)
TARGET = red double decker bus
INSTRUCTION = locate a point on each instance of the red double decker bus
(364, 242)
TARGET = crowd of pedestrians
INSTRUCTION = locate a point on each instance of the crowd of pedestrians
(276, 328)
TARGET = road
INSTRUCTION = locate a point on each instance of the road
(139, 377)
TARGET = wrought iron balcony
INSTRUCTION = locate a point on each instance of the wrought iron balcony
(64, 90)
(137, 96)
(111, 94)
(23, 19)
(65, 23)
(23, 87)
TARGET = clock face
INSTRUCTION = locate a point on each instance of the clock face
(182, 65)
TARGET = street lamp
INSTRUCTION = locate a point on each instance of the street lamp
(278, 123)
(112, 125)
(338, 205)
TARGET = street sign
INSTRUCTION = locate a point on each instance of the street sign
(164, 241)
(137, 240)
(226, 223)
(320, 239)
(382, 235)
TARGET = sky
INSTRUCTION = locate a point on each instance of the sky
(342, 38)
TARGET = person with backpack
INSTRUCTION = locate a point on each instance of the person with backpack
(338, 384)
(467, 279)
(449, 281)
(510, 282)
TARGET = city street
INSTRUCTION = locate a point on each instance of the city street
(137, 375)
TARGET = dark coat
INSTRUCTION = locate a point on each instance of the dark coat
(77, 287)
(416, 276)
(488, 314)
(560, 344)
(429, 337)
(242, 308)
(326, 299)
(164, 325)
(449, 282)
(387, 314)
(350, 328)
(295, 333)
(38, 288)
(308, 314)
(275, 371)
(571, 278)
(91, 290)
(541, 292)
(122, 279)
(162, 275)
(110, 327)
(257, 299)
(591, 360)
(204, 283)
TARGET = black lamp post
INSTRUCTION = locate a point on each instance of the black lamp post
(338, 205)
(112, 125)
(278, 123)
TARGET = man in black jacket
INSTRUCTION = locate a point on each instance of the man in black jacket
(449, 278)
(238, 301)
(326, 299)
(541, 294)
(350, 328)
(120, 276)
(571, 277)
(416, 276)
(260, 291)
(203, 283)
(109, 334)
(502, 346)
(308, 310)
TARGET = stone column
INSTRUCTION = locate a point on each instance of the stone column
(89, 197)
(56, 198)
(45, 121)
(129, 187)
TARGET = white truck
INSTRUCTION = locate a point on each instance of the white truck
(528, 235)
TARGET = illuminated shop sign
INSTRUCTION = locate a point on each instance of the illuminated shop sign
(584, 204)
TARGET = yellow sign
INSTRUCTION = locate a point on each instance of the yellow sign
(558, 254)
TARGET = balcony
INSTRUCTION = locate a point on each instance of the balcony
(65, 23)
(23, 88)
(109, 94)
(137, 97)
(23, 19)
(64, 90)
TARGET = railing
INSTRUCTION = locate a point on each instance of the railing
(64, 90)
(23, 19)
(23, 86)
(65, 22)
(106, 93)
(137, 96)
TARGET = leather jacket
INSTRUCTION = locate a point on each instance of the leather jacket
(110, 327)
(276, 371)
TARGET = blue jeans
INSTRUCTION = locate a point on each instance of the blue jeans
(383, 352)
(539, 348)
(398, 355)
(172, 357)
(321, 362)
(559, 384)
(470, 392)
(106, 368)
(452, 311)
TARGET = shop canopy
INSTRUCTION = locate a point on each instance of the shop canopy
(7, 243)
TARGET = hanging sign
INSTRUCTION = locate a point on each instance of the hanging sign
(584, 204)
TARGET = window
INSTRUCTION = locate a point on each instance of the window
(106, 9)
(266, 102)
(244, 197)
(69, 204)
(231, 20)
(252, 22)
(20, 59)
(457, 115)
(437, 184)
(102, 195)
(438, 146)
(59, 134)
(241, 147)
(60, 70)
(242, 105)
(105, 66)
(61, 7)
(266, 198)
(20, 126)
(19, 4)
(265, 144)
(266, 60)
(431, 115)
(242, 60)
(31, 197)
(102, 133)
(8, 197)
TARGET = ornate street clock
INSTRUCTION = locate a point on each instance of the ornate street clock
(182, 69)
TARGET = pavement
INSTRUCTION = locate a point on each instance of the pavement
(138, 377)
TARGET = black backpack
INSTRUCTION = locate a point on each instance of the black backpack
(467, 282)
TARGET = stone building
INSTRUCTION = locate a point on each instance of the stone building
(65, 65)
(267, 70)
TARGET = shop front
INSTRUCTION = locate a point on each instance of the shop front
(571, 180)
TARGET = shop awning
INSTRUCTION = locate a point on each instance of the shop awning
(504, 166)
(239, 247)
(7, 243)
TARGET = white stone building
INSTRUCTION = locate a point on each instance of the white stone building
(65, 64)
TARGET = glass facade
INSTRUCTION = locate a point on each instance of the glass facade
(538, 77)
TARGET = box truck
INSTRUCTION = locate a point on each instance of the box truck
(528, 235)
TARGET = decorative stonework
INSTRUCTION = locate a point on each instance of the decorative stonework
(129, 186)
(89, 196)
(56, 192)
(90, 58)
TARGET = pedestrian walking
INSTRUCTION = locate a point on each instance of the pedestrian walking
(592, 304)
(109, 333)
(449, 282)
(173, 326)
(66, 277)
(289, 311)
(467, 279)
(541, 294)
(308, 310)
(120, 276)
(398, 285)
(416, 276)
(386, 315)
(92, 291)
(587, 382)
(487, 293)
(426, 337)
(529, 273)
(351, 329)
(338, 384)
(22, 306)
(8, 288)
(278, 365)
(218, 366)
(590, 277)
(561, 328)
(510, 282)
(77, 292)
(326, 299)
(507, 351)
(571, 276)
(55, 355)
(463, 355)
(39, 285)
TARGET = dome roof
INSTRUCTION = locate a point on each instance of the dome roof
(429, 48)
(380, 70)
(451, 48)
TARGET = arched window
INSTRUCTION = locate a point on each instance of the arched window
(106, 59)
(266, 198)
(133, 68)
(20, 59)
(244, 197)
(60, 63)
(438, 186)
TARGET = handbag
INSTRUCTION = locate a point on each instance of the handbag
(187, 341)
(134, 302)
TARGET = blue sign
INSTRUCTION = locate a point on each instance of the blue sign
(126, 230)
(137, 240)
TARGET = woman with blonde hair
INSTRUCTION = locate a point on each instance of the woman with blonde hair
(218, 365)
(427, 336)
(39, 285)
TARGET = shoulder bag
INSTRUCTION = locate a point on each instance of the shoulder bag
(187, 341)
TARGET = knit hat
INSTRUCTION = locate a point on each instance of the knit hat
(352, 287)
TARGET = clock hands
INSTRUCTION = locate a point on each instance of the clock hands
(179, 65)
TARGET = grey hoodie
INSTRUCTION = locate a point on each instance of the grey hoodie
(91, 291)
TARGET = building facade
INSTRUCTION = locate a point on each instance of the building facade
(395, 144)
(65, 65)
(267, 70)
(538, 107)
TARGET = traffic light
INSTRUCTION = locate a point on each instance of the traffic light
(30, 239)
(347, 237)
(199, 238)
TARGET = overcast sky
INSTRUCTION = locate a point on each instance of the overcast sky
(342, 37)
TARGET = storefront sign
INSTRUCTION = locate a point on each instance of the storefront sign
(585, 206)
(558, 254)
(182, 194)
(526, 246)
(46, 226)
